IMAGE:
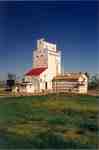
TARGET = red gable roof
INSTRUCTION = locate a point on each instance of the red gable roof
(35, 71)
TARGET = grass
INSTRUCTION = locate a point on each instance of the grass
(53, 121)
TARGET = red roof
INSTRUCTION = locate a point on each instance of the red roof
(35, 71)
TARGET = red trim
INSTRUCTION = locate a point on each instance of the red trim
(35, 71)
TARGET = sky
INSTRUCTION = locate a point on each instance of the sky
(72, 25)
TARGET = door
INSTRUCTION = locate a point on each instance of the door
(45, 85)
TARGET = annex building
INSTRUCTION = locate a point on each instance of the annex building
(71, 82)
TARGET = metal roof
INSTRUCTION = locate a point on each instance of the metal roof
(68, 77)
(35, 71)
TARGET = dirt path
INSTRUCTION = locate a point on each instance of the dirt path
(93, 92)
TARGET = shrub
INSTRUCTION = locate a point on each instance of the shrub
(89, 125)
(50, 140)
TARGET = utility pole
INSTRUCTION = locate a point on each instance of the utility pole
(62, 64)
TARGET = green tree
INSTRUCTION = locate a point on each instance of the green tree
(94, 82)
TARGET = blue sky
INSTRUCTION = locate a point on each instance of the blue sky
(73, 26)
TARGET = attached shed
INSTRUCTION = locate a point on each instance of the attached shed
(70, 82)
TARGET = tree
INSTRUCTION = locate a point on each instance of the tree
(94, 82)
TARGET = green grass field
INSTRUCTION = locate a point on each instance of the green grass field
(53, 121)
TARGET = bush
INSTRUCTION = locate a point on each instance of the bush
(50, 140)
(89, 125)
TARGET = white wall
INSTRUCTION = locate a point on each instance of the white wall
(52, 65)
(58, 61)
(83, 88)
(30, 88)
(40, 58)
(41, 44)
(45, 77)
